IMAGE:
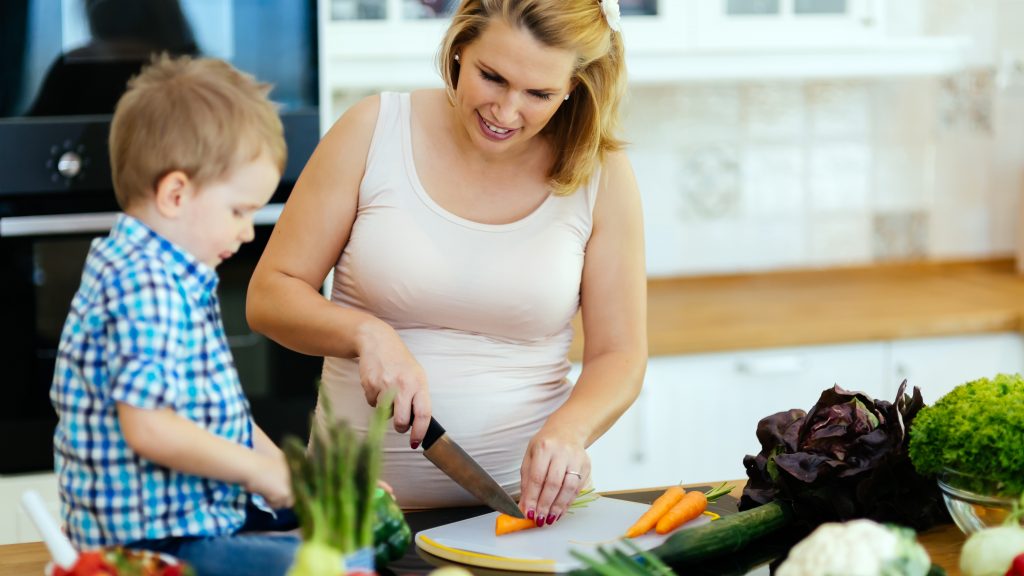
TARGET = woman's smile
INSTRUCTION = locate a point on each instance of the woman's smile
(493, 131)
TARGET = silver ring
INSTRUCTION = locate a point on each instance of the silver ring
(576, 474)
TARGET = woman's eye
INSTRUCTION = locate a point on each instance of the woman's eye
(541, 95)
(490, 77)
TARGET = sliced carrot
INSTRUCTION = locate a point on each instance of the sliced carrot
(505, 524)
(691, 505)
(658, 508)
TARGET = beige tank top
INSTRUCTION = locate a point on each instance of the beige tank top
(485, 309)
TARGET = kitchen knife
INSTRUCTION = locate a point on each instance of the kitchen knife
(451, 459)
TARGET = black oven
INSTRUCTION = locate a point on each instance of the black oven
(62, 74)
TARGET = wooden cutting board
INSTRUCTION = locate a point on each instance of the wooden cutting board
(602, 522)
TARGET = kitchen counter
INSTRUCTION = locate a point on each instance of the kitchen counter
(698, 314)
(942, 542)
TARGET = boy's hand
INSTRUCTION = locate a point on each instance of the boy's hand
(272, 480)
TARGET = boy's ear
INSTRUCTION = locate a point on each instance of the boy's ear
(172, 191)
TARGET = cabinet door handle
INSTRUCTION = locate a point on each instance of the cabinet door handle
(770, 366)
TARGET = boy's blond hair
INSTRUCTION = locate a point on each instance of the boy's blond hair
(197, 115)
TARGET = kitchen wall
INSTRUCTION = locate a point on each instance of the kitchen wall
(780, 175)
(784, 174)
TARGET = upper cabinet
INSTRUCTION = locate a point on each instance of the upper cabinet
(373, 44)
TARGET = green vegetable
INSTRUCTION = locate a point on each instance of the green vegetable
(391, 534)
(334, 483)
(723, 536)
(976, 430)
(317, 559)
(616, 562)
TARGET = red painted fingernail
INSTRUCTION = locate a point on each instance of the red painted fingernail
(414, 445)
(540, 520)
(551, 519)
(529, 514)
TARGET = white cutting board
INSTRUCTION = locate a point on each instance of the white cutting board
(602, 522)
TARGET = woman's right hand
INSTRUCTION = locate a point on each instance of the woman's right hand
(385, 363)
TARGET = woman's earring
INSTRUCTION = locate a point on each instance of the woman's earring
(566, 97)
(456, 57)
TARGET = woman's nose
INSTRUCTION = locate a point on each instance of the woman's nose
(505, 109)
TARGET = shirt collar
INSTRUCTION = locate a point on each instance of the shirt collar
(197, 277)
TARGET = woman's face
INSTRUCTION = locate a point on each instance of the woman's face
(510, 85)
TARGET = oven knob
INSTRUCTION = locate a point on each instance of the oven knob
(69, 164)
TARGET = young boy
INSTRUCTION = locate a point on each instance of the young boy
(156, 447)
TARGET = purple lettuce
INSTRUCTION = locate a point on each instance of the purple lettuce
(845, 459)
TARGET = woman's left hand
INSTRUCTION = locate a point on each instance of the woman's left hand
(556, 467)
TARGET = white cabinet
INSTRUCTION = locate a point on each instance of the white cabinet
(761, 23)
(369, 45)
(937, 365)
(697, 415)
(15, 524)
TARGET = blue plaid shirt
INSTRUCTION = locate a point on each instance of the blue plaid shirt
(145, 329)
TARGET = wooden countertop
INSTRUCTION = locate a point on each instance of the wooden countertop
(716, 313)
(942, 542)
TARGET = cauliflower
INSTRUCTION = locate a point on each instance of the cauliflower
(857, 548)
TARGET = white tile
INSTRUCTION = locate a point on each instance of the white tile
(838, 177)
(662, 205)
(900, 178)
(776, 243)
(773, 180)
(838, 109)
(712, 247)
(964, 169)
(900, 235)
(710, 181)
(839, 240)
(774, 111)
(903, 111)
(965, 102)
(960, 232)
(650, 117)
(709, 112)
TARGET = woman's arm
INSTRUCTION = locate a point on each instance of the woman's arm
(284, 300)
(164, 437)
(614, 307)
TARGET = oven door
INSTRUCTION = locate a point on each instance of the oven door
(41, 259)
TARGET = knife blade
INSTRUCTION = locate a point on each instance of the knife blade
(451, 459)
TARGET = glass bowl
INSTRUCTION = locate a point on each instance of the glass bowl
(973, 502)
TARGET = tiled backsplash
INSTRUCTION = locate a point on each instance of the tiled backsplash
(799, 175)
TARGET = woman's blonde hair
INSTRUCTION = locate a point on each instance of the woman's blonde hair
(198, 115)
(583, 129)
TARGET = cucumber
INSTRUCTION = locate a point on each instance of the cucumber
(728, 534)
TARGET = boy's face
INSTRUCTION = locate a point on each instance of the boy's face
(217, 218)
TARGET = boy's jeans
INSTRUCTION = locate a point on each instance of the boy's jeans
(261, 547)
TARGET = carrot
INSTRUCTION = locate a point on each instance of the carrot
(693, 504)
(505, 524)
(658, 508)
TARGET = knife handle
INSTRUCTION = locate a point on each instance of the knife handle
(434, 433)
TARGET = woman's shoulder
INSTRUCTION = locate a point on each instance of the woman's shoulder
(364, 112)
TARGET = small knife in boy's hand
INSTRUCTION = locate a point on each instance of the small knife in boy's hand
(451, 459)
